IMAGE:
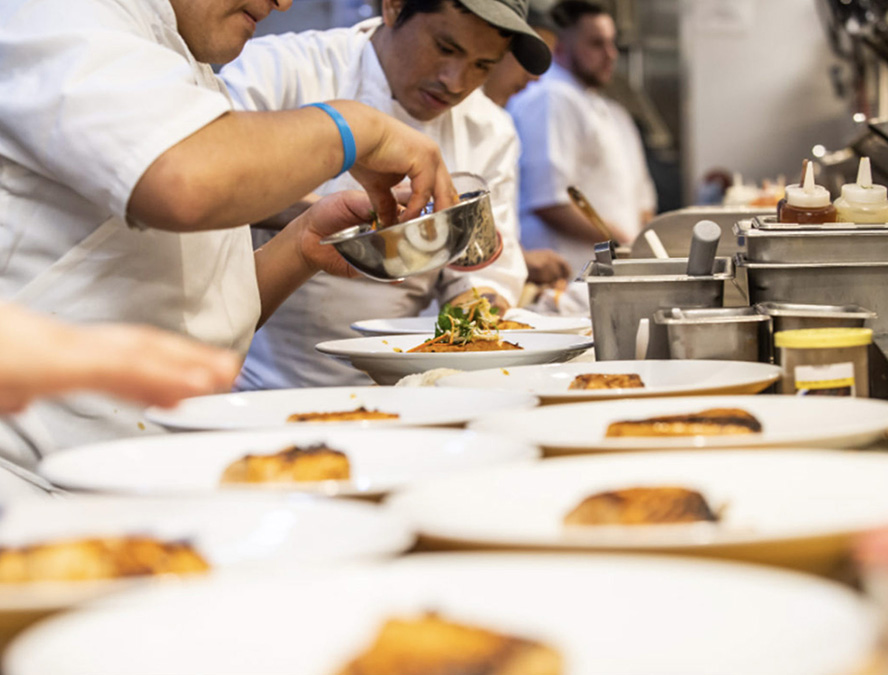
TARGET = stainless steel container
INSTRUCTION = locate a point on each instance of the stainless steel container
(795, 316)
(629, 291)
(770, 242)
(731, 333)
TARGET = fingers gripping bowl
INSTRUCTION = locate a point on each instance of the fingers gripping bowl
(463, 236)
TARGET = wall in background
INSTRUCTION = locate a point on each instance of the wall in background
(757, 88)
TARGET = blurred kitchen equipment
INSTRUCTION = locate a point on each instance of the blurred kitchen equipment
(605, 254)
(638, 288)
(796, 316)
(704, 242)
(656, 245)
(728, 333)
(579, 200)
(464, 234)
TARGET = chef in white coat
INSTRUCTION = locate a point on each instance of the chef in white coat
(573, 135)
(422, 62)
(126, 177)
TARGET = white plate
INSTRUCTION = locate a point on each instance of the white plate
(387, 360)
(232, 531)
(620, 615)
(800, 421)
(380, 459)
(766, 496)
(426, 324)
(419, 406)
(661, 378)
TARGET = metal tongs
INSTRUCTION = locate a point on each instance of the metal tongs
(579, 200)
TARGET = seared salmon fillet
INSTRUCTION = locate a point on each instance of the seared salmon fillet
(290, 465)
(98, 558)
(642, 506)
(473, 346)
(343, 416)
(606, 381)
(430, 645)
(712, 422)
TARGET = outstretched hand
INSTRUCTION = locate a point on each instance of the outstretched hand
(41, 356)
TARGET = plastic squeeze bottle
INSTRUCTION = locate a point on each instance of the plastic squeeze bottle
(863, 202)
(807, 203)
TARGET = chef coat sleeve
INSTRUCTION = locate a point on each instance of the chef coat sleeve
(508, 273)
(90, 98)
(644, 187)
(549, 122)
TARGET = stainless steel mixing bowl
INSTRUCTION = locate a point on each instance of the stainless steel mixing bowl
(423, 244)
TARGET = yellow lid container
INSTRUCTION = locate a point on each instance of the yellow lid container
(823, 338)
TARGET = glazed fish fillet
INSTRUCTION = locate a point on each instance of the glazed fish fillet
(361, 413)
(606, 381)
(512, 325)
(293, 464)
(98, 558)
(430, 645)
(712, 422)
(642, 506)
(473, 346)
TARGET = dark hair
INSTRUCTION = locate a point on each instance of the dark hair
(411, 8)
(567, 13)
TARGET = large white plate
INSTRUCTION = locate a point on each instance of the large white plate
(417, 406)
(661, 378)
(766, 496)
(426, 324)
(232, 531)
(386, 359)
(620, 615)
(800, 421)
(380, 459)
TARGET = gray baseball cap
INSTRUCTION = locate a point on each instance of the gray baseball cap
(511, 15)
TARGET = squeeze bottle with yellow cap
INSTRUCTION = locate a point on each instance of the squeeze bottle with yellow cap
(863, 202)
(808, 203)
(824, 361)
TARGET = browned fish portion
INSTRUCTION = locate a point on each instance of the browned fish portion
(291, 465)
(713, 422)
(343, 416)
(473, 346)
(642, 506)
(98, 558)
(606, 381)
(512, 325)
(430, 645)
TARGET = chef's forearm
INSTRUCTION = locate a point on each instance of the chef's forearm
(280, 269)
(566, 219)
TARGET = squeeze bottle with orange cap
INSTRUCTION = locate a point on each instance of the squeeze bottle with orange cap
(863, 202)
(807, 203)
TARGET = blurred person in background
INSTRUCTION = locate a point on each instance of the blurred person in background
(507, 78)
(572, 135)
(423, 62)
(127, 178)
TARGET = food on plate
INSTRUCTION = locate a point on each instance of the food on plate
(506, 324)
(642, 506)
(712, 422)
(98, 558)
(430, 645)
(356, 415)
(467, 327)
(293, 464)
(606, 381)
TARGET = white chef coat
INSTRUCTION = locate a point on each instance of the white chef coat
(91, 93)
(571, 135)
(287, 71)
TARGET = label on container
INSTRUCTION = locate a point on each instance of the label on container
(834, 379)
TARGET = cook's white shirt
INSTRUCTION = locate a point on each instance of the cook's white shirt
(571, 135)
(91, 93)
(291, 70)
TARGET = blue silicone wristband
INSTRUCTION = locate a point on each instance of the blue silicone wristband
(349, 147)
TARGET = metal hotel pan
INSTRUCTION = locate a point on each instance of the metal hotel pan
(730, 333)
(622, 294)
(771, 242)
